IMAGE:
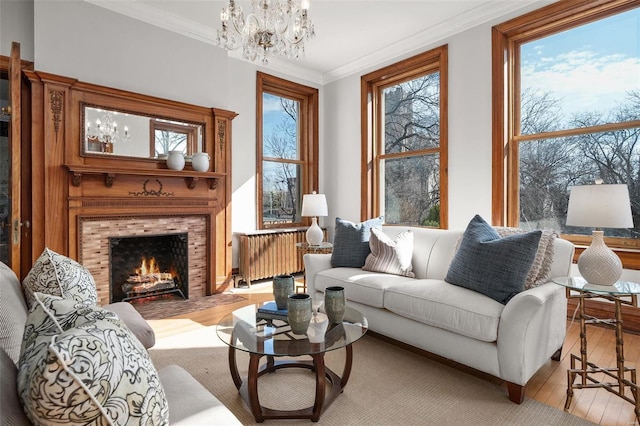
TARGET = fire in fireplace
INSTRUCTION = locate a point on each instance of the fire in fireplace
(149, 265)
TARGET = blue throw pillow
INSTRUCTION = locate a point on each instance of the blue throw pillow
(351, 242)
(496, 267)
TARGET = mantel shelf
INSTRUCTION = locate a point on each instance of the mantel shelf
(191, 177)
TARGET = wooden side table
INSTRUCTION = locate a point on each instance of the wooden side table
(304, 248)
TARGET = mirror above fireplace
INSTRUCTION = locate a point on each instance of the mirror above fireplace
(112, 132)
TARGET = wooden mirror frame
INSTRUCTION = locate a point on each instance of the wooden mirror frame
(86, 94)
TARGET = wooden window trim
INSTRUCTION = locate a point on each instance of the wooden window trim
(371, 127)
(308, 144)
(506, 37)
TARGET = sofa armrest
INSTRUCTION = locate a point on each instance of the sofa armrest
(134, 321)
(314, 263)
(532, 328)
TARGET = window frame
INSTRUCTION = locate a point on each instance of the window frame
(372, 126)
(506, 40)
(308, 144)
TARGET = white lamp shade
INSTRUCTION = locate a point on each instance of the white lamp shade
(600, 206)
(314, 205)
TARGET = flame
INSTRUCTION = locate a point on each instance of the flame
(148, 268)
(149, 271)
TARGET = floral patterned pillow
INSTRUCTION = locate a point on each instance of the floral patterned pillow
(94, 372)
(59, 275)
(55, 315)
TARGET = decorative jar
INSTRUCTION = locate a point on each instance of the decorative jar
(200, 161)
(175, 160)
(283, 286)
(299, 312)
(334, 303)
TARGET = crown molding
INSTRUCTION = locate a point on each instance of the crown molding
(462, 22)
(159, 18)
(169, 21)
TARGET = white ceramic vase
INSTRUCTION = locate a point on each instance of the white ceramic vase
(200, 161)
(175, 160)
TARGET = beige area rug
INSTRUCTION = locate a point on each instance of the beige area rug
(388, 386)
(171, 305)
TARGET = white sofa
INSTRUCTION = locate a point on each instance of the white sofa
(509, 341)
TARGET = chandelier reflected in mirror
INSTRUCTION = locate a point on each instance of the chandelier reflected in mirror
(274, 27)
(106, 130)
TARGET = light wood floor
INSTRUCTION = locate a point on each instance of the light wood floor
(549, 385)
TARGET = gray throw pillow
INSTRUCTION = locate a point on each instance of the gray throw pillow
(496, 267)
(351, 242)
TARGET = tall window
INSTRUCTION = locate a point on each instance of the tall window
(287, 136)
(405, 145)
(573, 114)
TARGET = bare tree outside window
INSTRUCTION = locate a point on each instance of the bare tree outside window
(411, 175)
(404, 167)
(169, 141)
(579, 119)
(287, 150)
(281, 178)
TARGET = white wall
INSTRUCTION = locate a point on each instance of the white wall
(16, 24)
(84, 41)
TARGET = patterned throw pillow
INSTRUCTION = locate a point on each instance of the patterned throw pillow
(390, 256)
(541, 268)
(496, 267)
(351, 242)
(94, 372)
(59, 275)
(55, 315)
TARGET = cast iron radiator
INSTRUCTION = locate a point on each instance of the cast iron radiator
(265, 254)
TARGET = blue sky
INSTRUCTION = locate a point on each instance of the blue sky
(590, 67)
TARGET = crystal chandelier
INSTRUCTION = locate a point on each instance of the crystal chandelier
(106, 130)
(275, 27)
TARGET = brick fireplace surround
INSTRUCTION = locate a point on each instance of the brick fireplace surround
(94, 245)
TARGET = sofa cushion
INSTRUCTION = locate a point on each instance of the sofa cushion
(541, 268)
(359, 286)
(391, 256)
(61, 276)
(351, 242)
(13, 313)
(10, 407)
(93, 372)
(440, 304)
(134, 321)
(494, 266)
(190, 402)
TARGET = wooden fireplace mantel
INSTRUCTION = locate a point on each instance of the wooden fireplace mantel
(110, 173)
(71, 188)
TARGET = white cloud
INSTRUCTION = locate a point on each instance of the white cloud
(584, 80)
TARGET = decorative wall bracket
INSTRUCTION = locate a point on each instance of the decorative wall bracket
(191, 177)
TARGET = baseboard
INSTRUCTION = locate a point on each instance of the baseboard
(603, 310)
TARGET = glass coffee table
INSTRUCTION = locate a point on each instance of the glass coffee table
(245, 331)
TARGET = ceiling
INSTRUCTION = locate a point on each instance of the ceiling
(351, 35)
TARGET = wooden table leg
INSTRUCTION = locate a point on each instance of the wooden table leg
(318, 366)
(233, 367)
(252, 386)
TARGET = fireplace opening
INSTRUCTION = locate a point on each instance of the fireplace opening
(148, 265)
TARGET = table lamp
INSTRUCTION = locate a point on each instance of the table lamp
(314, 205)
(599, 206)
